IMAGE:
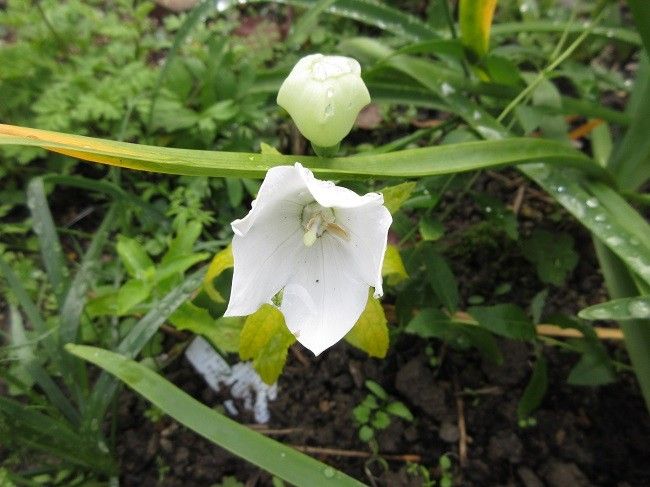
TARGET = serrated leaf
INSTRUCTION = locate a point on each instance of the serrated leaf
(507, 320)
(370, 332)
(393, 268)
(535, 390)
(395, 196)
(135, 259)
(223, 333)
(619, 309)
(222, 260)
(183, 242)
(265, 339)
(552, 254)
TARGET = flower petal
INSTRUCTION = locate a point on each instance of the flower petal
(367, 227)
(283, 185)
(264, 261)
(323, 300)
(267, 240)
(327, 194)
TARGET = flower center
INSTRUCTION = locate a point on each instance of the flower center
(316, 220)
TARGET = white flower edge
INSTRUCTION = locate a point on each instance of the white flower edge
(325, 280)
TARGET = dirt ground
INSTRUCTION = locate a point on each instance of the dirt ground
(464, 407)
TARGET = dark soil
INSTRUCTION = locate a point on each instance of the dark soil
(583, 436)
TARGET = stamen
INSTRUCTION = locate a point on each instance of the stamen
(338, 230)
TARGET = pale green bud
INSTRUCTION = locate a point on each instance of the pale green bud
(324, 95)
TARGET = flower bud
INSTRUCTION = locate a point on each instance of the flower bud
(324, 95)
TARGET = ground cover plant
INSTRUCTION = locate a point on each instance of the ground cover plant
(448, 286)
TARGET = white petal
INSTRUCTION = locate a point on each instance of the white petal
(367, 227)
(323, 300)
(327, 194)
(267, 240)
(265, 258)
(283, 185)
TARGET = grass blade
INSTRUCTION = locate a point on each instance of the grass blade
(48, 239)
(276, 458)
(425, 161)
(136, 339)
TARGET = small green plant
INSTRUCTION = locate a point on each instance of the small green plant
(375, 411)
(424, 474)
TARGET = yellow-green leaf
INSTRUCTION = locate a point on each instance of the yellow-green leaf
(370, 332)
(268, 149)
(393, 269)
(475, 18)
(395, 196)
(265, 339)
(223, 333)
(222, 261)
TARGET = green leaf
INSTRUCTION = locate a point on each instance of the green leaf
(431, 229)
(430, 323)
(135, 259)
(266, 340)
(301, 29)
(361, 414)
(183, 243)
(48, 238)
(535, 390)
(221, 261)
(366, 433)
(381, 420)
(223, 333)
(393, 267)
(475, 19)
(395, 196)
(441, 279)
(507, 320)
(135, 341)
(120, 302)
(591, 370)
(370, 332)
(398, 409)
(425, 161)
(376, 389)
(177, 266)
(619, 309)
(552, 254)
(280, 460)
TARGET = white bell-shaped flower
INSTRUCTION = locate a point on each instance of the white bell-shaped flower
(321, 244)
(324, 95)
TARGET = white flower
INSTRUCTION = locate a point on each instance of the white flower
(321, 244)
(323, 95)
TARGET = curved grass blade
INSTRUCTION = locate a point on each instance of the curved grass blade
(135, 340)
(614, 33)
(25, 354)
(619, 309)
(50, 246)
(50, 435)
(272, 456)
(426, 161)
(434, 76)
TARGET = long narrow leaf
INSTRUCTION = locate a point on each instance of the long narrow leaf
(25, 354)
(427, 161)
(136, 339)
(276, 458)
(48, 239)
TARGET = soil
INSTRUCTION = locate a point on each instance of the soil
(464, 407)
